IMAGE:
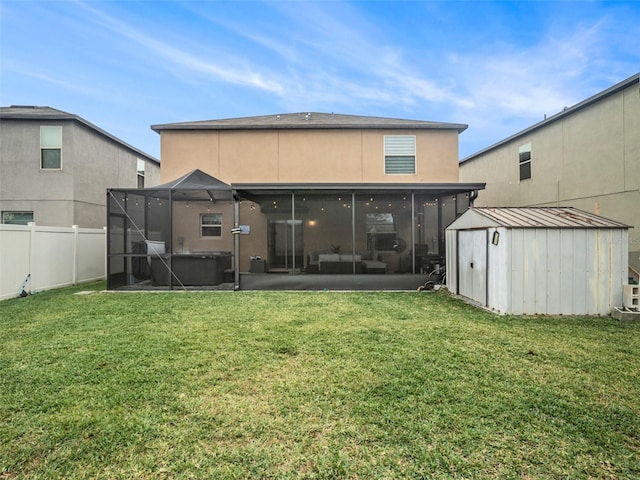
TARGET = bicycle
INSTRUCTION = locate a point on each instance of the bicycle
(435, 281)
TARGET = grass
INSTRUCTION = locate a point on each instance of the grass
(311, 385)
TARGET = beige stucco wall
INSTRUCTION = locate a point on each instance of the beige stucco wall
(316, 156)
(589, 159)
(186, 235)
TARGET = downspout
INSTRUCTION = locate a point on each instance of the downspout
(472, 197)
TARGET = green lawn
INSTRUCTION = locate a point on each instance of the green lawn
(311, 385)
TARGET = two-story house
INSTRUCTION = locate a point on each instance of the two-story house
(55, 168)
(302, 200)
(587, 157)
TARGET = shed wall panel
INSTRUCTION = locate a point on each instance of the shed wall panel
(554, 273)
(498, 269)
(452, 260)
(517, 262)
(480, 267)
(577, 267)
(603, 244)
(619, 256)
(591, 279)
(567, 278)
(465, 258)
(540, 274)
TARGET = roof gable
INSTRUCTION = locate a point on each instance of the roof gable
(35, 113)
(567, 111)
(194, 180)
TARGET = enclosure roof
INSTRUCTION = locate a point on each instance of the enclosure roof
(545, 217)
(308, 120)
(438, 189)
(197, 180)
(36, 113)
(194, 180)
(195, 185)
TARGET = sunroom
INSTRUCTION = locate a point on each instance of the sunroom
(200, 233)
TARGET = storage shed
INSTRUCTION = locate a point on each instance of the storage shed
(540, 260)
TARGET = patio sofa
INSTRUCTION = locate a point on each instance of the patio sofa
(341, 263)
(338, 263)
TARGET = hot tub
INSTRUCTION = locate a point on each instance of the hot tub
(190, 269)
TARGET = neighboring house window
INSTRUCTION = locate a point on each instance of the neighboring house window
(524, 158)
(17, 218)
(399, 154)
(381, 231)
(51, 147)
(140, 173)
(211, 224)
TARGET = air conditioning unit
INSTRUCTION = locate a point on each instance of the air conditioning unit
(631, 296)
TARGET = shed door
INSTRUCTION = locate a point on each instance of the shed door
(472, 265)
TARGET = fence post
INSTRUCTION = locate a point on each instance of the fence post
(32, 254)
(106, 250)
(75, 254)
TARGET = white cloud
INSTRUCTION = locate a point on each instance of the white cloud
(333, 54)
(228, 70)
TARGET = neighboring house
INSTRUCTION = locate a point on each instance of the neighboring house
(55, 168)
(587, 157)
(335, 201)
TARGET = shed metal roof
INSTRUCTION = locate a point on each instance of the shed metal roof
(546, 217)
(308, 120)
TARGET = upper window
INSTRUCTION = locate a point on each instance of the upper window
(211, 224)
(399, 154)
(17, 218)
(140, 169)
(51, 147)
(524, 160)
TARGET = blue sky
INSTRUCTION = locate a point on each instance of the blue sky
(497, 66)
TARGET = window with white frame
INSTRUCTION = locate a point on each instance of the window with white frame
(524, 160)
(211, 224)
(17, 218)
(140, 170)
(51, 147)
(399, 154)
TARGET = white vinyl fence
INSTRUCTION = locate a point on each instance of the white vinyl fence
(40, 258)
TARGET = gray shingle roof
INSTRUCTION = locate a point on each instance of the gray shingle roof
(308, 120)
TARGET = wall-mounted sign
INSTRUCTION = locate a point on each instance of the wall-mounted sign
(241, 230)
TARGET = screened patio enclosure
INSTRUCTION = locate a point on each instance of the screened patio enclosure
(198, 232)
(171, 235)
